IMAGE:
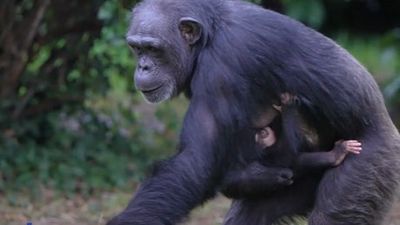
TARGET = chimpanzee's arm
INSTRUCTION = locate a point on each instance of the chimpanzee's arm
(315, 160)
(255, 180)
(184, 181)
(328, 159)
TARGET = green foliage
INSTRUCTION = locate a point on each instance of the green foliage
(311, 12)
(100, 144)
(110, 52)
(381, 56)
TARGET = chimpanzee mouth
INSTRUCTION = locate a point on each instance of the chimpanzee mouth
(149, 91)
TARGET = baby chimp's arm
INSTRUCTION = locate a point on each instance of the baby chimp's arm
(328, 159)
(255, 180)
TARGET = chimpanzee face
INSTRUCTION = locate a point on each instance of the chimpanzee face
(164, 52)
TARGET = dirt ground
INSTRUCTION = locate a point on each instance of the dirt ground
(52, 210)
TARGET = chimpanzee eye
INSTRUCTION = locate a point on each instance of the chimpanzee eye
(154, 51)
(135, 48)
(151, 49)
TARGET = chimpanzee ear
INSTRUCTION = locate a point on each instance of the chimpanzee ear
(190, 29)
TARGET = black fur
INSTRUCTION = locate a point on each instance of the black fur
(277, 167)
(246, 58)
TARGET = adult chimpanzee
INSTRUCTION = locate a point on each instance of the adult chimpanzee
(234, 59)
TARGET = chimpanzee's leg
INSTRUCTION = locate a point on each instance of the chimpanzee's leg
(297, 199)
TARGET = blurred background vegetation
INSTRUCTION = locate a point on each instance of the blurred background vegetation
(70, 119)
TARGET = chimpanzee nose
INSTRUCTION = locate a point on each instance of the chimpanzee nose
(145, 64)
(144, 67)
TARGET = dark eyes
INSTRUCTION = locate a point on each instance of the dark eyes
(136, 49)
(145, 49)
(151, 49)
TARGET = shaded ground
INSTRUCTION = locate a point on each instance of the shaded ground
(53, 210)
(63, 211)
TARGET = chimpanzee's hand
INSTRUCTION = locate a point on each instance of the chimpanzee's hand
(342, 148)
(286, 99)
(285, 176)
(269, 176)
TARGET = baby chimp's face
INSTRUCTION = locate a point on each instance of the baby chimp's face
(265, 137)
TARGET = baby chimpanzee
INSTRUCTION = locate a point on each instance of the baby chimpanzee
(266, 137)
(259, 177)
